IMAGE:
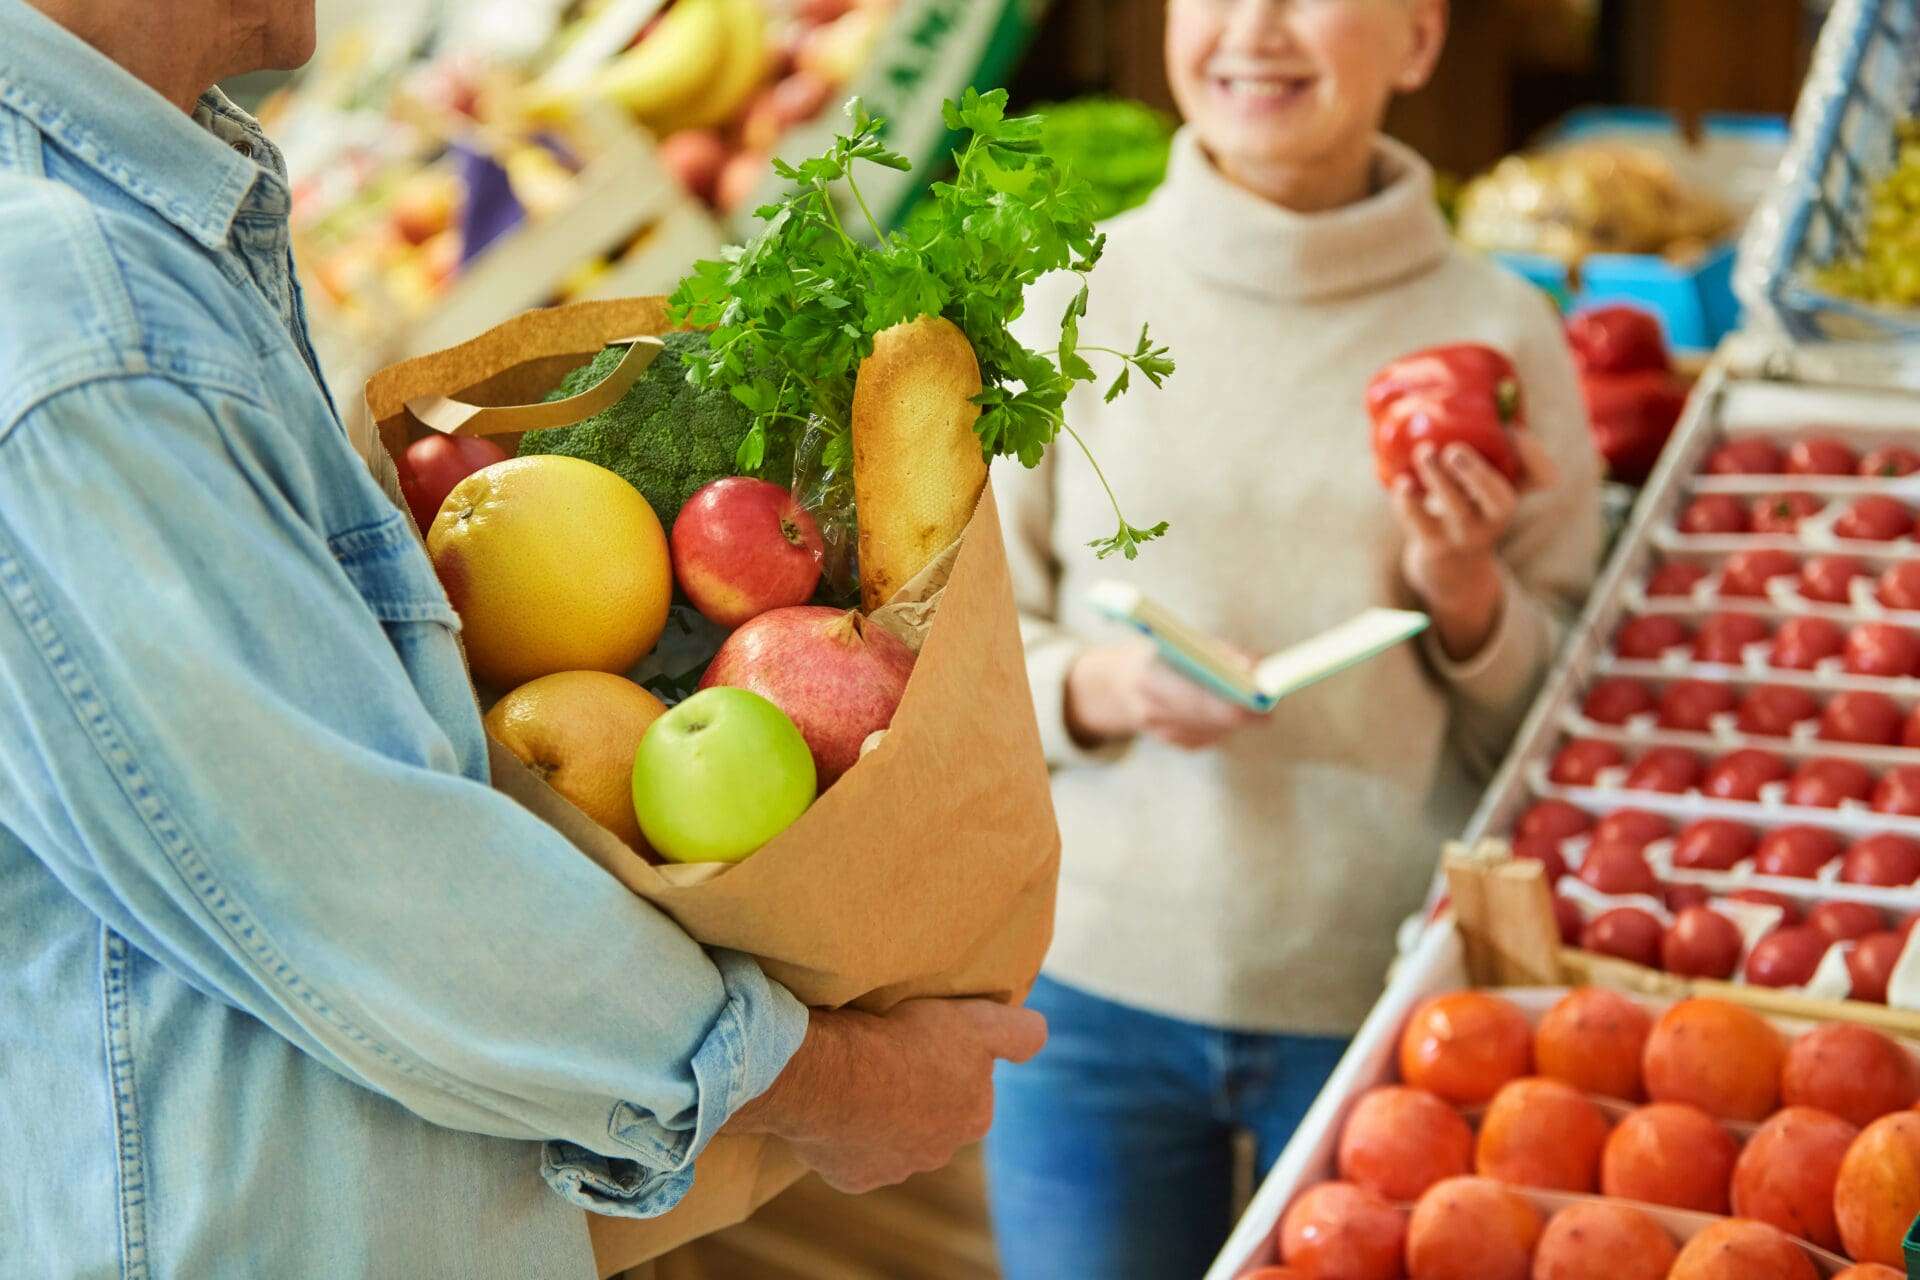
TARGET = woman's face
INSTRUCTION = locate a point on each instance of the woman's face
(1290, 83)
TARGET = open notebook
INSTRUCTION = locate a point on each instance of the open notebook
(1204, 659)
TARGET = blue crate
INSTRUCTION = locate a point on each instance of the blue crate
(1865, 77)
(1696, 302)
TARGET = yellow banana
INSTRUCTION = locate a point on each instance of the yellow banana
(742, 68)
(676, 61)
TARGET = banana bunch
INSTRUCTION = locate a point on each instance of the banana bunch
(696, 68)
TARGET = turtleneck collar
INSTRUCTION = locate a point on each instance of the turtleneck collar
(1234, 238)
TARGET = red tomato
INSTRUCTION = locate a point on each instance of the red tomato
(1627, 933)
(1768, 898)
(1898, 792)
(1636, 827)
(1747, 572)
(1724, 637)
(1900, 585)
(1820, 458)
(1701, 944)
(1801, 643)
(1675, 578)
(1691, 705)
(1714, 513)
(1881, 649)
(1681, 896)
(1616, 700)
(1888, 461)
(1650, 635)
(433, 465)
(1555, 818)
(1829, 579)
(1887, 860)
(1544, 850)
(1713, 844)
(1580, 761)
(1752, 456)
(1824, 784)
(1566, 914)
(1871, 963)
(1618, 869)
(1771, 710)
(1799, 852)
(1671, 770)
(1782, 512)
(1874, 518)
(1870, 718)
(1787, 957)
(1910, 736)
(1845, 921)
(1739, 775)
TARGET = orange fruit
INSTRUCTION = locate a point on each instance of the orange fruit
(1672, 1154)
(1738, 1250)
(1464, 1045)
(1786, 1173)
(1600, 1240)
(1717, 1056)
(1337, 1231)
(1400, 1141)
(1869, 1271)
(1850, 1071)
(1541, 1133)
(1592, 1040)
(1471, 1229)
(554, 564)
(1878, 1192)
(578, 730)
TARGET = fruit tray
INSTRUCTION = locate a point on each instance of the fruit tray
(1387, 1052)
(1864, 78)
(1735, 722)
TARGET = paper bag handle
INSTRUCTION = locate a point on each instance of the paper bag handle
(457, 418)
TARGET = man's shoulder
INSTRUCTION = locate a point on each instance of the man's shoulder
(92, 292)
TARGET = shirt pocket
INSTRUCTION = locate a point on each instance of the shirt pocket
(389, 568)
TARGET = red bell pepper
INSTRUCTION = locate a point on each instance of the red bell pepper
(1632, 415)
(1617, 339)
(1467, 393)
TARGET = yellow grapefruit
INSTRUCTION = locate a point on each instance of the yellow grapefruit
(579, 730)
(554, 564)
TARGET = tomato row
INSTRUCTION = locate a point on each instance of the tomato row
(1866, 718)
(1799, 643)
(1821, 783)
(1873, 518)
(1823, 579)
(1759, 456)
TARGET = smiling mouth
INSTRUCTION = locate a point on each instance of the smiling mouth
(1262, 88)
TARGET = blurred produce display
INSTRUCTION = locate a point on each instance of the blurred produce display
(1118, 146)
(1589, 198)
(1886, 266)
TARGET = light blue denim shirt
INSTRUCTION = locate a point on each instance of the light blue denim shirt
(285, 989)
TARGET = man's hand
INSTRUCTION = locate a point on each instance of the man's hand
(871, 1100)
(1454, 518)
(1116, 692)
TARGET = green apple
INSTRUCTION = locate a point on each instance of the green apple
(719, 776)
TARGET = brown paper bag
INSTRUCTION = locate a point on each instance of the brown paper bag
(928, 870)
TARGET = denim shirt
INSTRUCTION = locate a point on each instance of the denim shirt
(285, 988)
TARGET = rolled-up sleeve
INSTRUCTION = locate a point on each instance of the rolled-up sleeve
(210, 737)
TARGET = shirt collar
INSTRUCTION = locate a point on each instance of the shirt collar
(99, 114)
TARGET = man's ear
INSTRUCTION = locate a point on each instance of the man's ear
(1429, 38)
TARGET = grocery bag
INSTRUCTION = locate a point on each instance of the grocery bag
(927, 870)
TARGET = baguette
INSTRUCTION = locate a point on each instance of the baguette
(918, 468)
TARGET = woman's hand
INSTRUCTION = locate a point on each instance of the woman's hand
(1117, 692)
(1454, 519)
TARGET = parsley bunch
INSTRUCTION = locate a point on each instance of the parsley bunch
(795, 312)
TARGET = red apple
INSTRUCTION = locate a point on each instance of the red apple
(837, 676)
(433, 465)
(742, 547)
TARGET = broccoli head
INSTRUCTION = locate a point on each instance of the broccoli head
(665, 436)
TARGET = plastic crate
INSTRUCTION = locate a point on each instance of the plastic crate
(1732, 159)
(1865, 77)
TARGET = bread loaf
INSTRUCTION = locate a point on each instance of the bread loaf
(917, 465)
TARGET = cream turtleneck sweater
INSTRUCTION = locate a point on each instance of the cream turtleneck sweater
(1258, 885)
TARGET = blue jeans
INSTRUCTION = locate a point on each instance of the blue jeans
(1111, 1153)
